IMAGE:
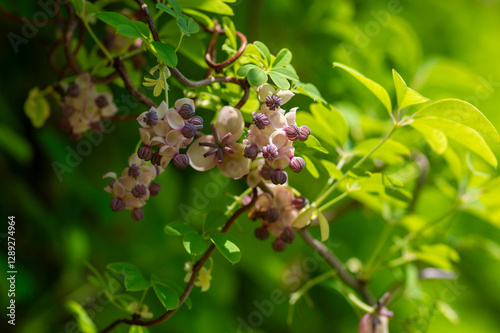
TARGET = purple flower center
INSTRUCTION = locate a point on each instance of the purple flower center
(220, 145)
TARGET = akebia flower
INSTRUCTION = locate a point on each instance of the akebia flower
(375, 323)
(222, 148)
(273, 98)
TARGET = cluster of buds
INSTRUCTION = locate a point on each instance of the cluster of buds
(272, 135)
(277, 213)
(83, 107)
(132, 189)
(169, 130)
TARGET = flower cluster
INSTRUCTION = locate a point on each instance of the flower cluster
(277, 213)
(272, 134)
(169, 130)
(204, 275)
(83, 107)
(132, 189)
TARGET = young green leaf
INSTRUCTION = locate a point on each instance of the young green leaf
(406, 96)
(37, 108)
(287, 73)
(324, 226)
(435, 138)
(85, 324)
(175, 6)
(279, 80)
(200, 17)
(192, 26)
(212, 6)
(143, 29)
(178, 229)
(165, 53)
(243, 70)
(390, 152)
(230, 30)
(374, 87)
(79, 6)
(304, 218)
(194, 243)
(283, 58)
(167, 296)
(310, 90)
(264, 51)
(312, 144)
(310, 167)
(128, 31)
(166, 9)
(183, 25)
(332, 121)
(134, 281)
(332, 169)
(138, 329)
(256, 76)
(226, 246)
(214, 221)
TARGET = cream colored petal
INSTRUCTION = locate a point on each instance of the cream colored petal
(110, 175)
(118, 190)
(133, 202)
(280, 163)
(134, 159)
(277, 120)
(157, 140)
(128, 182)
(263, 91)
(168, 151)
(145, 178)
(195, 154)
(264, 201)
(174, 138)
(182, 101)
(285, 95)
(254, 178)
(235, 165)
(141, 121)
(109, 110)
(145, 135)
(283, 196)
(174, 119)
(230, 120)
(279, 139)
(165, 160)
(161, 128)
(291, 117)
(161, 110)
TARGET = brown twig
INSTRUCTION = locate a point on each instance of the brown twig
(213, 43)
(189, 287)
(120, 68)
(149, 19)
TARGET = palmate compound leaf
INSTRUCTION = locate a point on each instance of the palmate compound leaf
(214, 221)
(227, 246)
(374, 87)
(134, 281)
(165, 53)
(405, 95)
(283, 58)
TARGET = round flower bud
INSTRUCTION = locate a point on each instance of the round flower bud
(117, 205)
(304, 133)
(261, 233)
(279, 245)
(188, 131)
(156, 159)
(197, 121)
(266, 171)
(270, 152)
(68, 110)
(278, 177)
(272, 215)
(260, 120)
(288, 235)
(73, 90)
(251, 151)
(145, 153)
(299, 202)
(134, 170)
(154, 189)
(186, 111)
(96, 127)
(101, 101)
(292, 132)
(151, 118)
(139, 191)
(181, 161)
(297, 164)
(137, 214)
(273, 102)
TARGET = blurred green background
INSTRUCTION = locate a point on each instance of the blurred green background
(442, 49)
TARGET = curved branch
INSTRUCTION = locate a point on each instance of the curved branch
(149, 19)
(210, 58)
(120, 68)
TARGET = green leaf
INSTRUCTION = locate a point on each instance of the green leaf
(175, 6)
(214, 221)
(165, 53)
(310, 167)
(279, 80)
(304, 218)
(90, 9)
(134, 281)
(200, 17)
(114, 19)
(79, 6)
(243, 70)
(332, 121)
(256, 76)
(143, 29)
(463, 113)
(448, 312)
(226, 246)
(310, 90)
(166, 9)
(463, 135)
(85, 324)
(138, 329)
(128, 31)
(212, 6)
(15, 144)
(309, 145)
(167, 296)
(264, 51)
(283, 58)
(324, 226)
(406, 96)
(194, 244)
(182, 23)
(390, 152)
(435, 138)
(193, 26)
(230, 31)
(332, 169)
(286, 73)
(374, 87)
(37, 108)
(178, 229)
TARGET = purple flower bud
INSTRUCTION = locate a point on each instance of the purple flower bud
(186, 111)
(304, 133)
(156, 159)
(134, 170)
(288, 235)
(117, 205)
(73, 90)
(154, 189)
(101, 101)
(151, 118)
(278, 177)
(270, 152)
(273, 102)
(96, 127)
(145, 153)
(68, 110)
(138, 214)
(272, 215)
(279, 245)
(112, 182)
(251, 151)
(299, 202)
(65, 126)
(260, 120)
(292, 132)
(75, 136)
(297, 164)
(139, 191)
(197, 121)
(181, 161)
(261, 233)
(188, 131)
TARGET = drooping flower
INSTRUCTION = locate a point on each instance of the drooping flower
(204, 275)
(143, 311)
(221, 148)
(375, 323)
(159, 83)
